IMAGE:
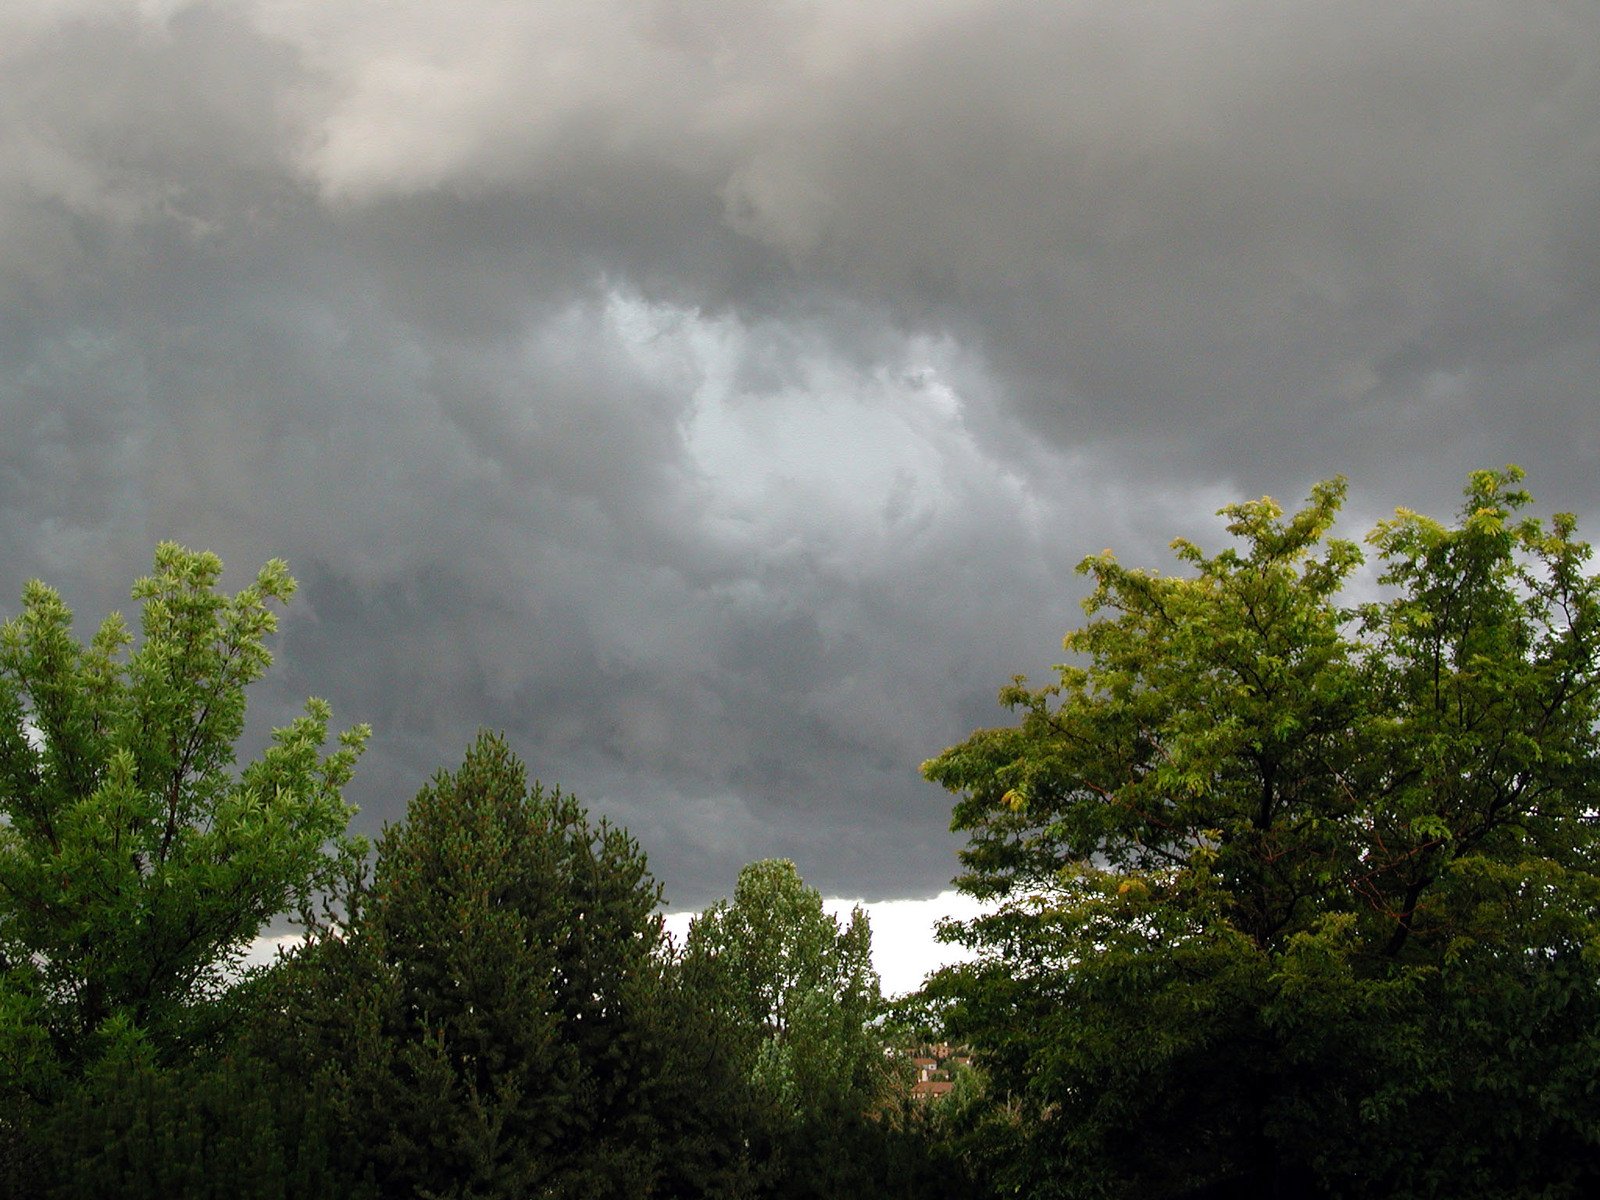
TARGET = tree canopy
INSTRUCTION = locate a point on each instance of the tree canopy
(798, 987)
(488, 1006)
(136, 861)
(790, 996)
(1299, 893)
(1295, 882)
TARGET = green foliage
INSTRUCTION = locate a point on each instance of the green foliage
(1301, 893)
(713, 1130)
(790, 997)
(136, 863)
(489, 1011)
(964, 1142)
(233, 1128)
(797, 989)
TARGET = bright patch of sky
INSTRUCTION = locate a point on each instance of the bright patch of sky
(784, 436)
(904, 948)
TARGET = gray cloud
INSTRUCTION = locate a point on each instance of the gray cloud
(717, 396)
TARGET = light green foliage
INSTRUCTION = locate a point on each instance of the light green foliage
(136, 862)
(787, 1003)
(798, 989)
(1282, 879)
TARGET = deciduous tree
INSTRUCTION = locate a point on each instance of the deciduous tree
(797, 986)
(792, 994)
(137, 862)
(1294, 893)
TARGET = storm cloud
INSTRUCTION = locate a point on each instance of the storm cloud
(715, 396)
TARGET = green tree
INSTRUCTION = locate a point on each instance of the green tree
(489, 1006)
(798, 988)
(714, 1130)
(136, 862)
(792, 995)
(1293, 894)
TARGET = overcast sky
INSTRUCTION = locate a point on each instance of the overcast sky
(716, 396)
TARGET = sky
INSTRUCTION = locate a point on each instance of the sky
(905, 945)
(716, 397)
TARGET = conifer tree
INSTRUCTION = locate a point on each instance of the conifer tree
(489, 1007)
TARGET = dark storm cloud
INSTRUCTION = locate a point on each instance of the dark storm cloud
(716, 396)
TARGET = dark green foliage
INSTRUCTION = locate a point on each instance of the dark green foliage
(1296, 895)
(714, 1138)
(490, 1011)
(233, 1129)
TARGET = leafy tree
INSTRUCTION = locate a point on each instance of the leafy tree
(136, 862)
(793, 995)
(1297, 895)
(798, 988)
(489, 1009)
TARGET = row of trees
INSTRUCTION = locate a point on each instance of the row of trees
(1289, 896)
(484, 1004)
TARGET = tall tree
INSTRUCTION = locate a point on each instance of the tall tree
(797, 986)
(791, 994)
(489, 1007)
(136, 861)
(1293, 894)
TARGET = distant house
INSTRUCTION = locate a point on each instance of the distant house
(933, 1067)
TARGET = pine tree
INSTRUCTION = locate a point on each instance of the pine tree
(489, 1007)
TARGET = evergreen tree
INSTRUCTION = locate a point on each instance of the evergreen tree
(489, 1007)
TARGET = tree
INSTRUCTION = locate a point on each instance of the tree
(136, 862)
(232, 1126)
(1293, 894)
(793, 994)
(796, 986)
(488, 1007)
